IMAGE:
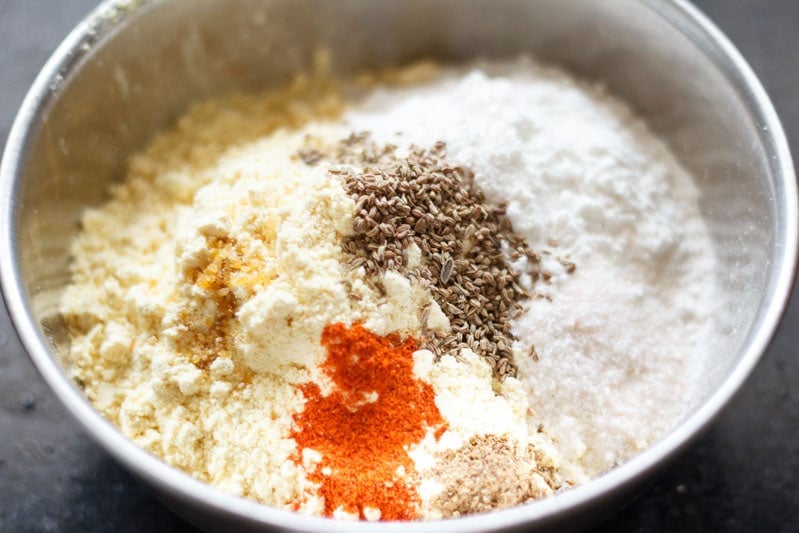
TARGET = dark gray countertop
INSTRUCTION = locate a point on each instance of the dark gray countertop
(741, 475)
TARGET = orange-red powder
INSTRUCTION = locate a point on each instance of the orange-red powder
(364, 441)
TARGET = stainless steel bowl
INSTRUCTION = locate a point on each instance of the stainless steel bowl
(131, 68)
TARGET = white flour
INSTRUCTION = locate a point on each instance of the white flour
(621, 341)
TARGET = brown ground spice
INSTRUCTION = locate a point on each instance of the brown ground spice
(516, 476)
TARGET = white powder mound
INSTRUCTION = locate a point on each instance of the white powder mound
(619, 341)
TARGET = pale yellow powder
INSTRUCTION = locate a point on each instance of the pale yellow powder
(132, 295)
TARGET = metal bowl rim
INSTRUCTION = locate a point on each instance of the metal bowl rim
(683, 16)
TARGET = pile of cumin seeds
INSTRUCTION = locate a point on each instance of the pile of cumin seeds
(422, 198)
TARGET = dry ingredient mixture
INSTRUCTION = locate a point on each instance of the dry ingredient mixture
(466, 290)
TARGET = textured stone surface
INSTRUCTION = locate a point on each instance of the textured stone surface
(742, 475)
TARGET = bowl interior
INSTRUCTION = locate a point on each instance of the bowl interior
(131, 71)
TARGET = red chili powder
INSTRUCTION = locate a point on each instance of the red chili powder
(364, 440)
